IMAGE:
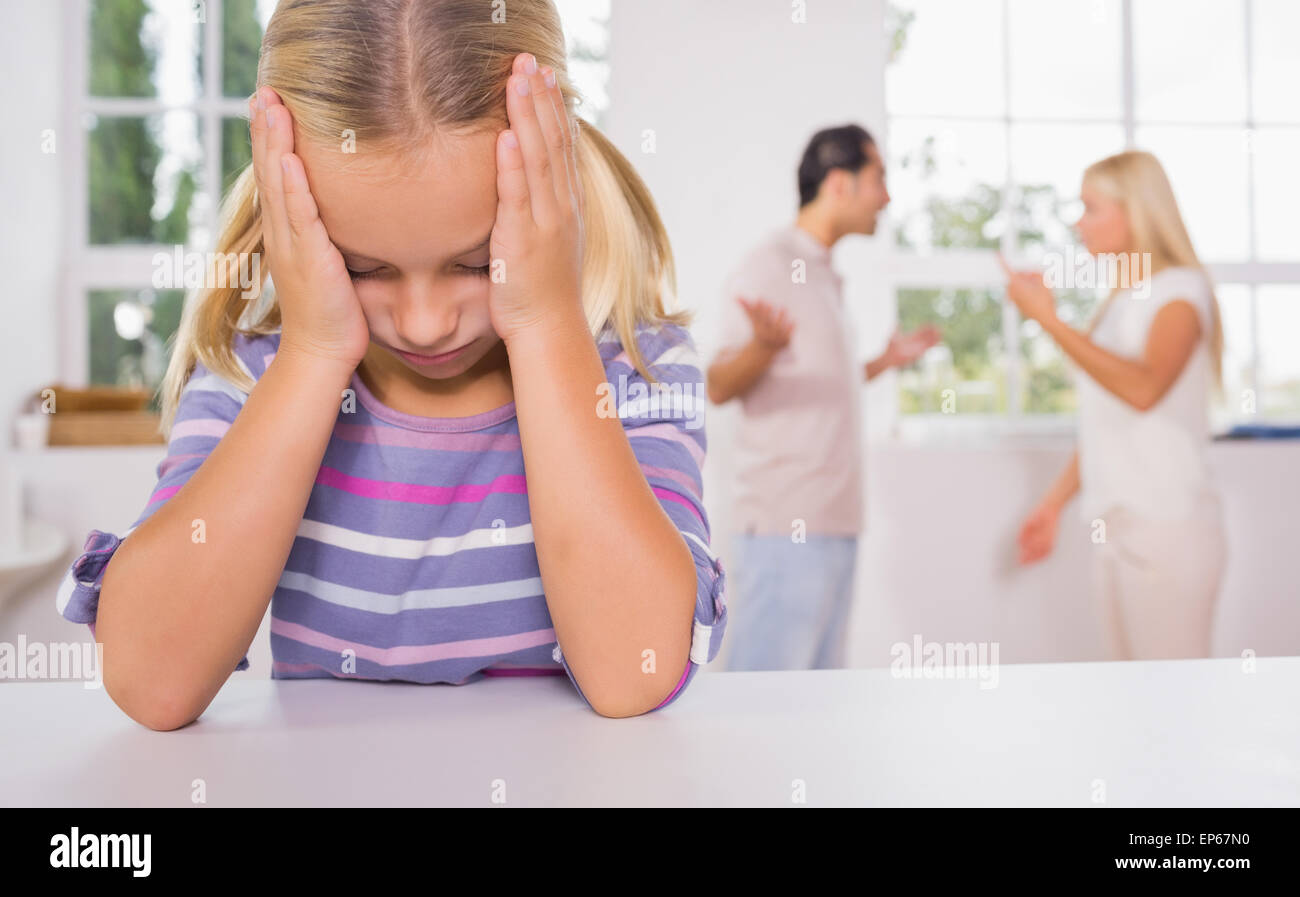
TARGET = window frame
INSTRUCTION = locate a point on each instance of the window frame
(90, 267)
(978, 269)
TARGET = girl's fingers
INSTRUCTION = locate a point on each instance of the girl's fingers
(559, 136)
(278, 142)
(522, 109)
(513, 204)
(299, 205)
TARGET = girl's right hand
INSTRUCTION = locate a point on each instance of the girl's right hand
(319, 309)
(1038, 533)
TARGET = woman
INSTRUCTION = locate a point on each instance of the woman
(1141, 467)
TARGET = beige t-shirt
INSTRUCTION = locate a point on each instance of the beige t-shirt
(797, 453)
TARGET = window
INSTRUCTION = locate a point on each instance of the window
(157, 129)
(997, 106)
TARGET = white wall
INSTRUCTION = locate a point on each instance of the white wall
(31, 220)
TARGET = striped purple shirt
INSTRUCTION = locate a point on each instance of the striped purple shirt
(415, 558)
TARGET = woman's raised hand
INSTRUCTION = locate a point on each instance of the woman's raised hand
(537, 240)
(319, 309)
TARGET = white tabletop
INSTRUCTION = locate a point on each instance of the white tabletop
(1170, 733)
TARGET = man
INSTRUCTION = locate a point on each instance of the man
(789, 356)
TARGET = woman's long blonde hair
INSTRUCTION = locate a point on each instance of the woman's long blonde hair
(1137, 180)
(396, 73)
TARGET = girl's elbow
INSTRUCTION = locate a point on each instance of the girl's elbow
(161, 708)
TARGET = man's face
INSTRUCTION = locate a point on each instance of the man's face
(867, 195)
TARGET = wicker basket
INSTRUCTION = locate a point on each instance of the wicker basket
(103, 415)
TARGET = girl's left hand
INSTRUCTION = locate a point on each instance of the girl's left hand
(1027, 290)
(537, 241)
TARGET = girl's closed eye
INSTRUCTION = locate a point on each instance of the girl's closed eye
(472, 270)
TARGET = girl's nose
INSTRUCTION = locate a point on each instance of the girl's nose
(426, 317)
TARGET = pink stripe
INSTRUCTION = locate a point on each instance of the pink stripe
(672, 434)
(402, 655)
(164, 494)
(200, 426)
(676, 476)
(456, 442)
(165, 466)
(266, 360)
(673, 496)
(420, 494)
(680, 683)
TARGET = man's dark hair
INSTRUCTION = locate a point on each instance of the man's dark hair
(842, 147)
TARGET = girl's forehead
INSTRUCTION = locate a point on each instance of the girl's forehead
(395, 207)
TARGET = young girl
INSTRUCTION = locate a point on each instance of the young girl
(440, 452)
(1149, 358)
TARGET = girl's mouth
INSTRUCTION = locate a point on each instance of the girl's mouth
(428, 360)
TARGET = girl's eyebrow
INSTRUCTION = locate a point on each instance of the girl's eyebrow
(362, 257)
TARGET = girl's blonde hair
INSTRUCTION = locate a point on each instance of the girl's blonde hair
(397, 74)
(1137, 180)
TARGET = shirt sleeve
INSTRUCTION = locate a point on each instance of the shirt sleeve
(1189, 285)
(208, 406)
(664, 423)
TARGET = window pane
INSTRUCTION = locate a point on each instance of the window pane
(586, 31)
(1279, 351)
(1277, 193)
(129, 334)
(146, 49)
(1189, 60)
(144, 177)
(236, 152)
(1047, 162)
(1046, 373)
(1065, 58)
(1207, 168)
(946, 182)
(242, 22)
(946, 58)
(969, 361)
(1277, 64)
(1238, 353)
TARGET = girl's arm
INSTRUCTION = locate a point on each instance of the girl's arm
(176, 615)
(618, 575)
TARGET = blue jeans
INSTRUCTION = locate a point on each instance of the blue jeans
(794, 600)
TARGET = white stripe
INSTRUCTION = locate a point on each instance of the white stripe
(703, 547)
(418, 599)
(64, 594)
(663, 403)
(701, 637)
(213, 383)
(680, 353)
(411, 549)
